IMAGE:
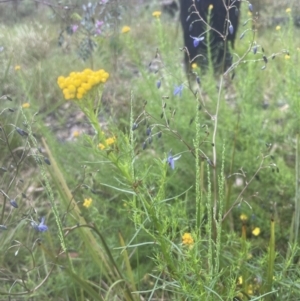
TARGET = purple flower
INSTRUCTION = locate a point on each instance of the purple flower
(231, 29)
(98, 26)
(41, 227)
(171, 160)
(250, 7)
(74, 28)
(99, 23)
(178, 90)
(197, 40)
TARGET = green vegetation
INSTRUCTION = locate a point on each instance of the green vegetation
(142, 185)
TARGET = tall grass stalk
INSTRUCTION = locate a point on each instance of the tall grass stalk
(297, 188)
(198, 176)
(210, 227)
(271, 260)
(218, 220)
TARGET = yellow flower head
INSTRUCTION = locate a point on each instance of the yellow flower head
(87, 203)
(194, 66)
(108, 141)
(17, 67)
(243, 217)
(210, 7)
(278, 28)
(77, 84)
(101, 146)
(287, 57)
(250, 289)
(240, 280)
(288, 10)
(25, 105)
(256, 231)
(125, 29)
(156, 14)
(76, 134)
(187, 239)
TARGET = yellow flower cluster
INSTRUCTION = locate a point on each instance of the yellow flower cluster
(76, 134)
(250, 288)
(77, 84)
(156, 14)
(187, 239)
(243, 217)
(108, 141)
(25, 105)
(256, 231)
(125, 29)
(194, 66)
(87, 203)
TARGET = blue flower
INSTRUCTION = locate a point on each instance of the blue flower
(231, 29)
(158, 84)
(134, 126)
(14, 203)
(178, 90)
(254, 49)
(197, 40)
(41, 227)
(171, 160)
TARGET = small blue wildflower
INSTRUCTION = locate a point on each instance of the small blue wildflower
(231, 29)
(254, 49)
(21, 132)
(41, 227)
(178, 90)
(250, 7)
(14, 203)
(171, 160)
(134, 126)
(47, 161)
(197, 40)
(158, 84)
